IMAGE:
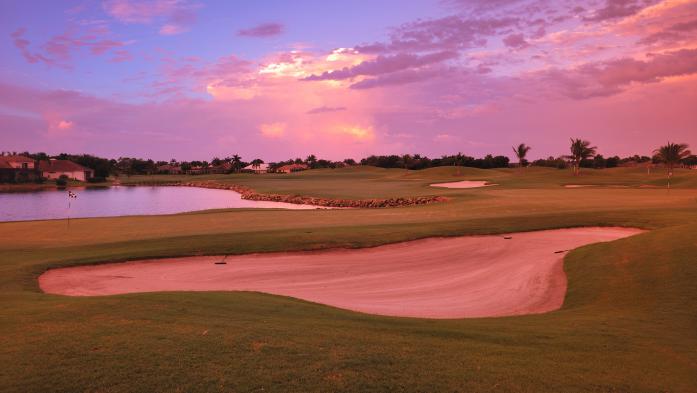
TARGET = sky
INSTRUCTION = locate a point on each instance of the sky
(195, 79)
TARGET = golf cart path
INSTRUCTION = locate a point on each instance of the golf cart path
(458, 277)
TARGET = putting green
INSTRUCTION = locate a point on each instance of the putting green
(628, 322)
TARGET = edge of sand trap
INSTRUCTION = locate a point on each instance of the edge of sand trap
(459, 277)
(464, 184)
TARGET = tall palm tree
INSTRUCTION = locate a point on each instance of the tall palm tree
(236, 163)
(521, 151)
(671, 154)
(580, 150)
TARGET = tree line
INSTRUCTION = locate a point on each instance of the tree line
(582, 155)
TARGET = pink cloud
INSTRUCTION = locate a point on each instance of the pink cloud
(384, 65)
(272, 130)
(131, 11)
(23, 45)
(618, 9)
(59, 49)
(401, 78)
(176, 16)
(121, 55)
(447, 33)
(612, 77)
(326, 109)
(262, 31)
(675, 33)
(516, 41)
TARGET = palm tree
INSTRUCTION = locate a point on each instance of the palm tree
(521, 151)
(580, 150)
(236, 163)
(671, 154)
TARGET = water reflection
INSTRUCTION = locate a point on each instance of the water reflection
(123, 201)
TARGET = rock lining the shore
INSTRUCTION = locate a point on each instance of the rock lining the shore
(249, 194)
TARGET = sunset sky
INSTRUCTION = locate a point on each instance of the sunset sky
(279, 79)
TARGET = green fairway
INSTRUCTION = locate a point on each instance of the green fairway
(628, 324)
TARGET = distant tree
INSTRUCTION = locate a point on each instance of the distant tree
(350, 161)
(257, 162)
(599, 162)
(552, 162)
(671, 154)
(520, 152)
(612, 162)
(580, 150)
(406, 159)
(311, 161)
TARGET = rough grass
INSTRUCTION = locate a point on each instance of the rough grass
(629, 321)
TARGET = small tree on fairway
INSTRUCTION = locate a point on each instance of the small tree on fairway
(580, 150)
(671, 154)
(521, 151)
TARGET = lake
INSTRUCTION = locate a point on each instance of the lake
(123, 201)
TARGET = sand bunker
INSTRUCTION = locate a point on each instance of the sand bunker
(470, 276)
(464, 184)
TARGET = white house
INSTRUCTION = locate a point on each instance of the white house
(259, 168)
(54, 169)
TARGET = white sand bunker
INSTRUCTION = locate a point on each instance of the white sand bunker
(470, 276)
(464, 184)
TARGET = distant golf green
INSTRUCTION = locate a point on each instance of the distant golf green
(628, 323)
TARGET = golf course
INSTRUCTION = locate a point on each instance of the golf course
(626, 321)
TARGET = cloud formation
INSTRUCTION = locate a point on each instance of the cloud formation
(262, 31)
(476, 77)
(175, 16)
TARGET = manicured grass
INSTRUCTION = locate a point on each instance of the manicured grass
(629, 322)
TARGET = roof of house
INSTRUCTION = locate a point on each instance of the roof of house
(16, 159)
(224, 165)
(291, 167)
(168, 167)
(61, 166)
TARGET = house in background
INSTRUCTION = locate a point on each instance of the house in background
(17, 169)
(169, 169)
(256, 168)
(198, 170)
(292, 168)
(225, 167)
(54, 169)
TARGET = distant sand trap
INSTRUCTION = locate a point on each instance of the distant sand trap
(460, 277)
(464, 184)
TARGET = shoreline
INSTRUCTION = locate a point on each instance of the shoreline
(249, 194)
